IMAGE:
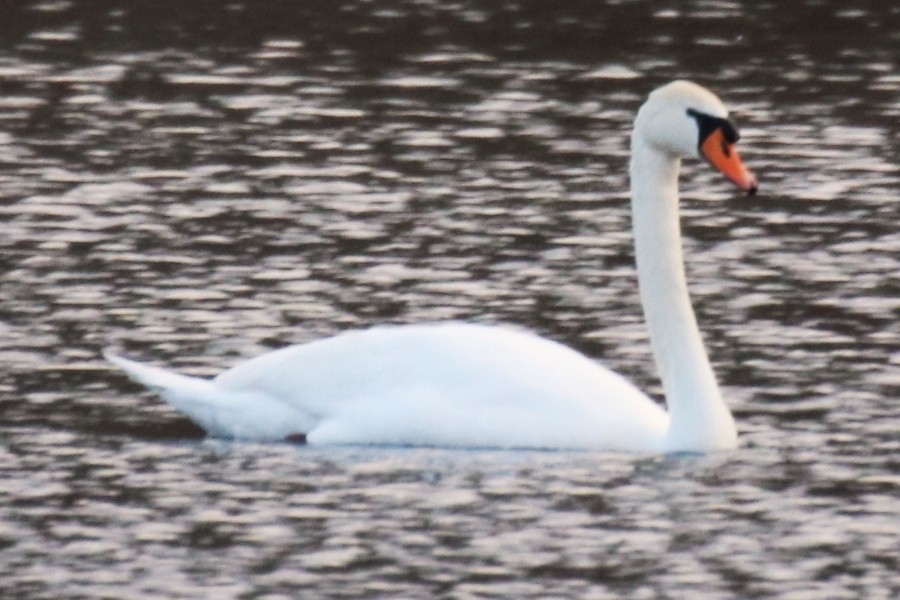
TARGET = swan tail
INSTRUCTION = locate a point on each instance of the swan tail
(175, 388)
(221, 412)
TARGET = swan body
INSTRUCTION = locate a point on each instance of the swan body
(466, 385)
(420, 385)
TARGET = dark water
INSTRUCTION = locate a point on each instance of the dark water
(196, 183)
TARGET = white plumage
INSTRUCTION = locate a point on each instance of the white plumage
(464, 385)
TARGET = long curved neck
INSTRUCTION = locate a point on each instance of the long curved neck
(699, 418)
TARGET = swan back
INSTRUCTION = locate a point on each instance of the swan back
(454, 384)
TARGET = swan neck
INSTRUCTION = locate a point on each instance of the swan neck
(699, 418)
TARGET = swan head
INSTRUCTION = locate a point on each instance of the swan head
(684, 120)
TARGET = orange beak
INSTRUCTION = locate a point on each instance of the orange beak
(723, 155)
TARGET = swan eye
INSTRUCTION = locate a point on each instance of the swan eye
(707, 124)
(731, 133)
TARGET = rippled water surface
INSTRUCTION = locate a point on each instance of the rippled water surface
(196, 183)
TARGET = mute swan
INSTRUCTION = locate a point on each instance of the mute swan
(463, 385)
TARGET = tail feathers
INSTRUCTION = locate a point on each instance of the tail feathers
(168, 384)
(249, 415)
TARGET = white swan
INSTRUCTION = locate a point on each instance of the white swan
(464, 385)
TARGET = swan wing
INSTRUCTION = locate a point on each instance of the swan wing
(451, 384)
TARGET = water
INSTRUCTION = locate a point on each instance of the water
(198, 184)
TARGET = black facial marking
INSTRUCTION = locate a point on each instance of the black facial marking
(708, 124)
